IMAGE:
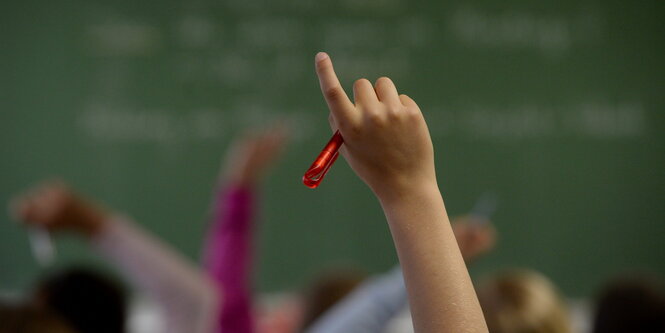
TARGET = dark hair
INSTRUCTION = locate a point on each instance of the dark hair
(87, 300)
(21, 318)
(631, 304)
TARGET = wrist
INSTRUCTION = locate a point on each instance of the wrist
(422, 202)
(400, 191)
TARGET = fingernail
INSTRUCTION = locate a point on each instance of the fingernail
(321, 56)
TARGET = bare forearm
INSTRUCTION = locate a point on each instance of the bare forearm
(387, 144)
(440, 291)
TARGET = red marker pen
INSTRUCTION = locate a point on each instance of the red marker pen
(323, 162)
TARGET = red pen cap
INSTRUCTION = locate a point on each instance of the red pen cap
(323, 162)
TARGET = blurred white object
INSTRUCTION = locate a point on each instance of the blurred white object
(485, 206)
(145, 315)
(42, 246)
(401, 323)
(581, 316)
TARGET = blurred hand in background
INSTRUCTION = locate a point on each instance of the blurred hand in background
(249, 156)
(475, 236)
(53, 206)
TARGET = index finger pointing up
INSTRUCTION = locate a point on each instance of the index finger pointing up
(339, 104)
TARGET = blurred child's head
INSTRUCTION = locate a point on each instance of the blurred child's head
(327, 289)
(632, 304)
(88, 301)
(21, 318)
(522, 302)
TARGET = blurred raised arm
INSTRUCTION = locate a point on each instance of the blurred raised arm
(228, 247)
(187, 298)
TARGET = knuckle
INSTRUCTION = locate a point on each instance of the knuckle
(394, 113)
(393, 110)
(395, 107)
(414, 115)
(334, 93)
(376, 117)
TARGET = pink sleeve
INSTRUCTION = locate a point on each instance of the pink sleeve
(228, 257)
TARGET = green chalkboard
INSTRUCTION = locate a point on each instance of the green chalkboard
(556, 106)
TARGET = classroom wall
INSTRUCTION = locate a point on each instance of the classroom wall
(555, 106)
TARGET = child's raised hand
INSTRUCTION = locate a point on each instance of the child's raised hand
(53, 206)
(252, 154)
(386, 140)
(387, 143)
(475, 236)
